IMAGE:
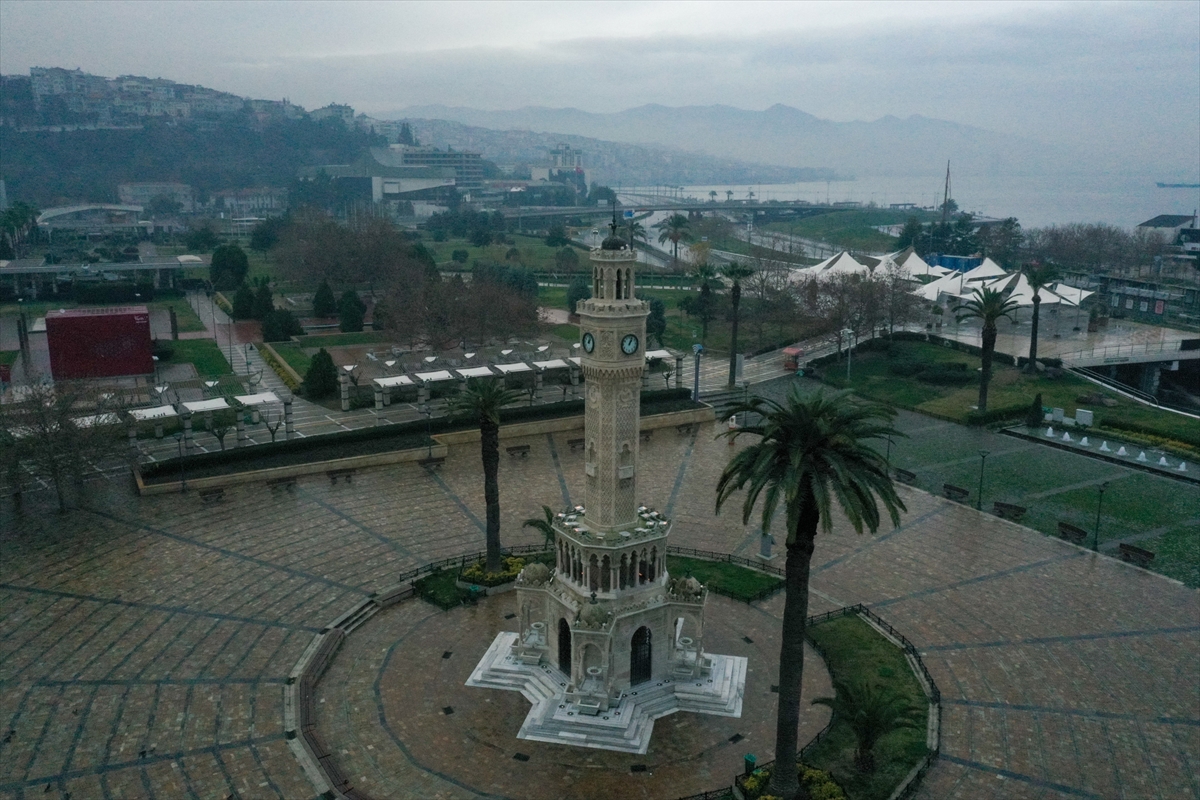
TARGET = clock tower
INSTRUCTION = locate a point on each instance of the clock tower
(613, 327)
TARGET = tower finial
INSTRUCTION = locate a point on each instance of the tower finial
(613, 226)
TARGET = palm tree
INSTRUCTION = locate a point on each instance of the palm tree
(543, 524)
(728, 195)
(712, 196)
(872, 712)
(810, 451)
(1039, 277)
(483, 399)
(989, 306)
(706, 276)
(735, 272)
(675, 228)
(636, 231)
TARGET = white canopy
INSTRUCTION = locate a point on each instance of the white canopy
(988, 269)
(475, 372)
(262, 398)
(842, 262)
(392, 381)
(908, 260)
(92, 420)
(215, 404)
(442, 375)
(659, 354)
(158, 412)
(518, 367)
(576, 360)
(951, 284)
(556, 363)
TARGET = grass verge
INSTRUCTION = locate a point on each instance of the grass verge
(346, 339)
(730, 580)
(203, 354)
(854, 651)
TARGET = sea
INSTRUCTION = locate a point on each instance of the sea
(1037, 201)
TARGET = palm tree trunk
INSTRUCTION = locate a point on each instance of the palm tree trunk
(1031, 367)
(784, 781)
(735, 297)
(985, 375)
(489, 442)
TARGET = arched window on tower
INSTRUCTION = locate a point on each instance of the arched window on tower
(593, 574)
(623, 572)
(606, 575)
(653, 563)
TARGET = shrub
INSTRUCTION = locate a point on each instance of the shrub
(1001, 414)
(1145, 430)
(243, 303)
(324, 303)
(264, 302)
(351, 311)
(322, 378)
(1035, 415)
(459, 256)
(510, 567)
(229, 266)
(281, 325)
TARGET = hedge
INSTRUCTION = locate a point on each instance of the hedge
(1146, 430)
(1001, 414)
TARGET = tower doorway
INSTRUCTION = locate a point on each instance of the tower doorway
(639, 657)
(564, 647)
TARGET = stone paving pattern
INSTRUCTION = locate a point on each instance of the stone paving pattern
(144, 642)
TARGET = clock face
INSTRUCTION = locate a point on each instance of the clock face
(589, 342)
(629, 344)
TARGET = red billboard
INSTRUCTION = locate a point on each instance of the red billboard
(99, 342)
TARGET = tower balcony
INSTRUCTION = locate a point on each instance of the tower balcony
(611, 562)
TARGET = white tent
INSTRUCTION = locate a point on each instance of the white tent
(839, 263)
(908, 260)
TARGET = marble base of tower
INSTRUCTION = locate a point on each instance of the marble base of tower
(625, 724)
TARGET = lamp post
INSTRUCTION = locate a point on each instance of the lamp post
(182, 474)
(1099, 505)
(983, 454)
(847, 333)
(697, 349)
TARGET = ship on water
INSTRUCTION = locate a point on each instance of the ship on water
(1162, 185)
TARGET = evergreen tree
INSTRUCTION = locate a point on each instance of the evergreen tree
(324, 303)
(229, 267)
(322, 379)
(279, 326)
(264, 302)
(578, 289)
(243, 303)
(656, 323)
(351, 311)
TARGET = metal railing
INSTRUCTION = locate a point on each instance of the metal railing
(1120, 352)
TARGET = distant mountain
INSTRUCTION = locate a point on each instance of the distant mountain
(611, 163)
(786, 136)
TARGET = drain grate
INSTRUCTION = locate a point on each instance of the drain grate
(775, 689)
(511, 616)
(638, 768)
(737, 737)
(448, 710)
(520, 757)
(747, 640)
(447, 654)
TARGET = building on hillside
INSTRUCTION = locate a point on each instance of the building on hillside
(380, 175)
(259, 201)
(467, 166)
(336, 111)
(564, 164)
(140, 194)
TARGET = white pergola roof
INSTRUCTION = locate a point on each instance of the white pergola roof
(260, 399)
(576, 360)
(518, 367)
(442, 375)
(215, 404)
(92, 420)
(476, 372)
(556, 363)
(158, 412)
(392, 381)
(659, 354)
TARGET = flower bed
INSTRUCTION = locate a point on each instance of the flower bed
(818, 784)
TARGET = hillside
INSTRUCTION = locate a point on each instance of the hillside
(785, 135)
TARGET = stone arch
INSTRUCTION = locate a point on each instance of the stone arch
(623, 572)
(593, 573)
(643, 567)
(564, 646)
(653, 564)
(620, 285)
(606, 574)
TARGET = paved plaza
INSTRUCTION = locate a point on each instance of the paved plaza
(144, 643)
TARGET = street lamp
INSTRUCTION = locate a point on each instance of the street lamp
(847, 334)
(697, 349)
(1099, 505)
(182, 474)
(983, 454)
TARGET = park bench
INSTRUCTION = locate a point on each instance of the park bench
(686, 428)
(1136, 555)
(905, 476)
(521, 450)
(1008, 511)
(1071, 533)
(646, 435)
(283, 483)
(334, 474)
(955, 493)
(576, 444)
(210, 496)
(433, 462)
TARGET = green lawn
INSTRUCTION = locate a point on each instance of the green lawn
(871, 376)
(852, 229)
(854, 651)
(294, 355)
(8, 357)
(346, 339)
(204, 354)
(188, 321)
(730, 580)
(534, 253)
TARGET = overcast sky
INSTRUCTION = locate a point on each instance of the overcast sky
(1043, 70)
